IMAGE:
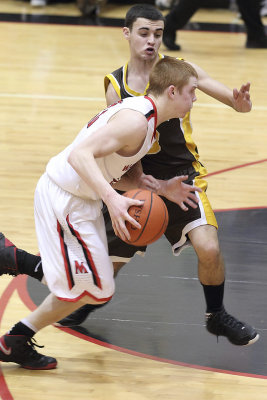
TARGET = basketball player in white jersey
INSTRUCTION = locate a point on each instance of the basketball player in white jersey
(172, 159)
(68, 201)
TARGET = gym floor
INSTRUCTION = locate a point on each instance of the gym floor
(157, 313)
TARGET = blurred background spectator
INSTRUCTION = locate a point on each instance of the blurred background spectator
(250, 11)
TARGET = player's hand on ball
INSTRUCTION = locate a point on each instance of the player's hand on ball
(118, 210)
(152, 215)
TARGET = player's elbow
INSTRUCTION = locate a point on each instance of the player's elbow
(72, 158)
(75, 158)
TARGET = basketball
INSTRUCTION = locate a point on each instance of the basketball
(152, 216)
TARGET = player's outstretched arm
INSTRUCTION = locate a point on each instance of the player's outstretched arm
(239, 100)
(179, 192)
(173, 189)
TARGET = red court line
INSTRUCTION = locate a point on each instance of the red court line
(24, 294)
(20, 284)
(237, 167)
(4, 391)
(155, 358)
(4, 299)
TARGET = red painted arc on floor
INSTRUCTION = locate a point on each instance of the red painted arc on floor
(20, 284)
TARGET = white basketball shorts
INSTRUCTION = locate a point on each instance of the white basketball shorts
(73, 245)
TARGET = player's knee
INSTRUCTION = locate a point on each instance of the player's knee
(102, 295)
(108, 289)
(211, 254)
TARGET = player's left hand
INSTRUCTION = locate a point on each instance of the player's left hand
(148, 182)
(242, 102)
(179, 192)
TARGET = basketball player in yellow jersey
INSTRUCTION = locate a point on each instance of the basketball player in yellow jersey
(172, 162)
(173, 156)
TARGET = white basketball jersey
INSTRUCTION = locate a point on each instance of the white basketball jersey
(112, 166)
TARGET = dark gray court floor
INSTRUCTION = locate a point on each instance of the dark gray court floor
(159, 306)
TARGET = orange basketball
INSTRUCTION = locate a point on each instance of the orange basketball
(152, 216)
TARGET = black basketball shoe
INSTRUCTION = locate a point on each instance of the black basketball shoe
(20, 350)
(223, 324)
(8, 264)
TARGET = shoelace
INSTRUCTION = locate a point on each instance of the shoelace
(230, 321)
(29, 349)
(227, 319)
(32, 342)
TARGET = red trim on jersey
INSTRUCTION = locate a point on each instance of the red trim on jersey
(65, 257)
(95, 118)
(87, 254)
(85, 293)
(155, 115)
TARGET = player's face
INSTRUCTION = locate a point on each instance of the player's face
(186, 97)
(145, 38)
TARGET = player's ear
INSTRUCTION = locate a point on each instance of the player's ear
(126, 32)
(171, 91)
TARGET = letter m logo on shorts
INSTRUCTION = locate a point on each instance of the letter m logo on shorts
(127, 167)
(80, 268)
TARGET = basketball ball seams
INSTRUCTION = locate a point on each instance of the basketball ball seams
(145, 224)
(163, 226)
(152, 215)
(136, 194)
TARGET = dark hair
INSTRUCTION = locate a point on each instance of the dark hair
(142, 11)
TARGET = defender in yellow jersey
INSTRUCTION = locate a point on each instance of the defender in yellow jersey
(172, 162)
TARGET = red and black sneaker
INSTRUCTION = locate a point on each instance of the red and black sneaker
(8, 262)
(20, 350)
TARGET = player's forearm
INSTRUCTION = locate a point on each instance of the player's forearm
(131, 179)
(125, 183)
(214, 88)
(218, 91)
(87, 168)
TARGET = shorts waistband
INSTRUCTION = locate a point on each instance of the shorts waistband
(165, 175)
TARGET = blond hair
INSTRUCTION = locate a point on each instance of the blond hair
(169, 71)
